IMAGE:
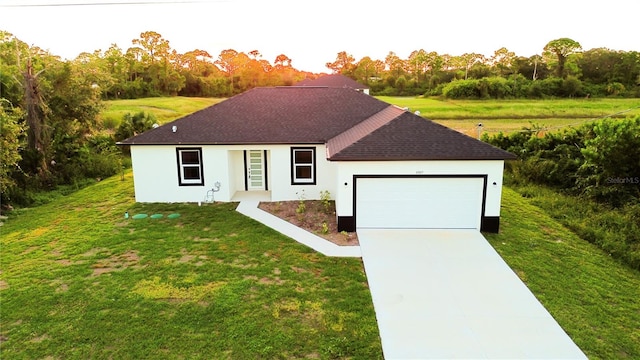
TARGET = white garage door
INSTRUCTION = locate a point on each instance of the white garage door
(419, 203)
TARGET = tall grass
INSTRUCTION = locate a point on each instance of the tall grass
(615, 230)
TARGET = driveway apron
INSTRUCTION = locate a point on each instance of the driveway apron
(447, 294)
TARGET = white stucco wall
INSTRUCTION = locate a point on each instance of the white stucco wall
(347, 169)
(280, 168)
(236, 172)
(155, 172)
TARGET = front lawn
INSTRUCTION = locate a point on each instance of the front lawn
(80, 281)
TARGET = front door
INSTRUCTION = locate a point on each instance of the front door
(255, 170)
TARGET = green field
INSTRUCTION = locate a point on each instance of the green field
(515, 109)
(461, 115)
(165, 109)
(513, 115)
(79, 281)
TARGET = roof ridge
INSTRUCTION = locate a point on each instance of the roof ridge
(362, 129)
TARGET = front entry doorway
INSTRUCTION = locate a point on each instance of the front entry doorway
(255, 170)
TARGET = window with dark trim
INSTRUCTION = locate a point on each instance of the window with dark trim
(190, 166)
(303, 165)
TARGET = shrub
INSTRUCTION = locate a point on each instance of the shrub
(615, 89)
(594, 90)
(519, 85)
(325, 227)
(571, 87)
(611, 168)
(484, 88)
(325, 198)
(549, 87)
(461, 89)
(100, 158)
(499, 87)
(302, 205)
(110, 122)
(597, 160)
(132, 125)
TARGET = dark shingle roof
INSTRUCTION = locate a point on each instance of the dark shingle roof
(346, 139)
(411, 137)
(333, 80)
(281, 115)
(354, 126)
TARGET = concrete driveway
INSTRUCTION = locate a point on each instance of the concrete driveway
(447, 294)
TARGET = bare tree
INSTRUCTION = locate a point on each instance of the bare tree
(35, 114)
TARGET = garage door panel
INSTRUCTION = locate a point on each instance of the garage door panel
(421, 203)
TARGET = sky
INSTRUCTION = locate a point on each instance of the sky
(312, 32)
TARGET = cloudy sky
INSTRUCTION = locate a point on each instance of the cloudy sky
(313, 32)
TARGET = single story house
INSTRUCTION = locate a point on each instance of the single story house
(384, 166)
(335, 81)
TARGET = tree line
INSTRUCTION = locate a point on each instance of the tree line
(150, 67)
(562, 69)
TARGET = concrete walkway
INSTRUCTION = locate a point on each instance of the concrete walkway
(447, 294)
(323, 246)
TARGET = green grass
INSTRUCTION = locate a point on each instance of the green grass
(80, 281)
(594, 298)
(614, 230)
(513, 115)
(165, 109)
(515, 109)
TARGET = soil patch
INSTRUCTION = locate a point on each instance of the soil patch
(315, 216)
(120, 262)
